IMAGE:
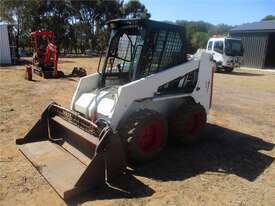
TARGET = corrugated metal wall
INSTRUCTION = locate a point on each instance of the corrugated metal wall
(255, 45)
(5, 55)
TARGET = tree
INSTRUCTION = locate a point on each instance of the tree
(220, 29)
(92, 16)
(198, 32)
(78, 25)
(268, 17)
(135, 9)
(12, 12)
(199, 39)
(25, 15)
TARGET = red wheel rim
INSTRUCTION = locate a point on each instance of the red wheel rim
(194, 123)
(150, 138)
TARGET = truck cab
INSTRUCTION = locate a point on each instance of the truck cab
(227, 52)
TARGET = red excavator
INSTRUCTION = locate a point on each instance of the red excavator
(45, 54)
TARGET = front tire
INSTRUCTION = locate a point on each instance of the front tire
(228, 69)
(144, 134)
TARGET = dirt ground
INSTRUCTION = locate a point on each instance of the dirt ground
(233, 165)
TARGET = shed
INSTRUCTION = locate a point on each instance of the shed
(5, 53)
(259, 43)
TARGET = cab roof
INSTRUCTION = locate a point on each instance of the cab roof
(137, 22)
(42, 33)
(221, 38)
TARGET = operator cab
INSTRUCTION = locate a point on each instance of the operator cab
(39, 41)
(138, 48)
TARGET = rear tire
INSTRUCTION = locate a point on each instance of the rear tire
(46, 74)
(217, 68)
(144, 135)
(60, 74)
(188, 122)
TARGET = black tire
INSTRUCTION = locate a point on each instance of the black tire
(47, 74)
(228, 69)
(133, 136)
(216, 66)
(188, 122)
(60, 74)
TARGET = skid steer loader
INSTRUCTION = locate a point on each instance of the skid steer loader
(144, 89)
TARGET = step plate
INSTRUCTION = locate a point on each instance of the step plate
(61, 169)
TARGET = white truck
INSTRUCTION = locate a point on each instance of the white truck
(227, 52)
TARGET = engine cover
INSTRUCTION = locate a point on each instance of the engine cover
(100, 101)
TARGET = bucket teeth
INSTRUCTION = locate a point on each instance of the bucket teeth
(66, 151)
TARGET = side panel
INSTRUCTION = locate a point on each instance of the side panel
(203, 92)
(86, 84)
(146, 88)
(164, 106)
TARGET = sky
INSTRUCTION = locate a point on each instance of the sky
(231, 12)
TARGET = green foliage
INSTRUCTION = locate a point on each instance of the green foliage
(198, 32)
(78, 25)
(135, 9)
(268, 17)
(199, 39)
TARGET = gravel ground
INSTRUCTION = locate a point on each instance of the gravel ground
(233, 165)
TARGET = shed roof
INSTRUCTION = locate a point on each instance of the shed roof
(261, 26)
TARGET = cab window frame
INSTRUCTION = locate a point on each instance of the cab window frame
(210, 45)
(218, 46)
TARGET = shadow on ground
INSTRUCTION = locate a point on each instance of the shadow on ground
(126, 186)
(238, 73)
(221, 151)
(17, 62)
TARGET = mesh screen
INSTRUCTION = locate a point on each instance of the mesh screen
(165, 49)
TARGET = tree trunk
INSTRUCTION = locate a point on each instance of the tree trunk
(17, 42)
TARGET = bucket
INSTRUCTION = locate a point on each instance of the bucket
(67, 151)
